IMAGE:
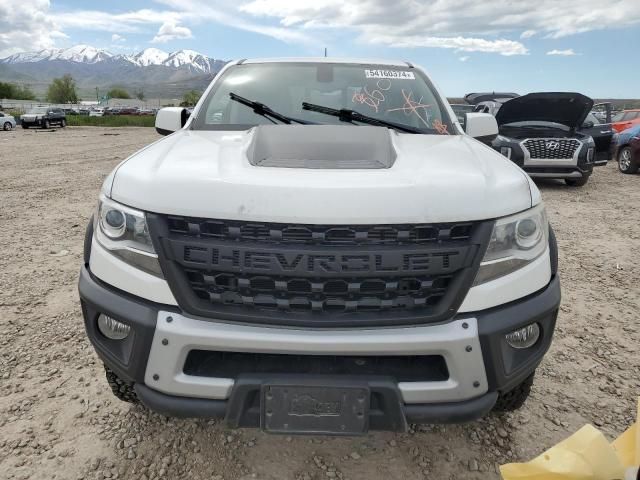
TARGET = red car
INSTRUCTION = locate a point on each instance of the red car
(626, 119)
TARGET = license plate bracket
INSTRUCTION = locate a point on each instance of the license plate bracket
(315, 409)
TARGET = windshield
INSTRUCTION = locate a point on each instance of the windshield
(38, 110)
(401, 95)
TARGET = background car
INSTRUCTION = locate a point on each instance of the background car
(7, 122)
(539, 132)
(460, 109)
(43, 117)
(128, 111)
(626, 119)
(597, 124)
(625, 148)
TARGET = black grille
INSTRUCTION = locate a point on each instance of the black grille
(318, 275)
(410, 368)
(283, 233)
(318, 295)
(548, 148)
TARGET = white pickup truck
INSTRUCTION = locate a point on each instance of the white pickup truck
(321, 248)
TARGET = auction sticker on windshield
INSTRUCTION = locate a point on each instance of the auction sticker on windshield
(391, 74)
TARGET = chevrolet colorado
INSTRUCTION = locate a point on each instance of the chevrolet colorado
(320, 247)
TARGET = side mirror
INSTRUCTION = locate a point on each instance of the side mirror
(170, 119)
(588, 124)
(481, 126)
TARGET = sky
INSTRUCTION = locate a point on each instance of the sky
(589, 46)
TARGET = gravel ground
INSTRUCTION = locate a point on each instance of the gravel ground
(58, 418)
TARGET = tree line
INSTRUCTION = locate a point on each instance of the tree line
(64, 90)
(16, 92)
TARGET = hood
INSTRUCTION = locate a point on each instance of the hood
(434, 178)
(476, 98)
(568, 109)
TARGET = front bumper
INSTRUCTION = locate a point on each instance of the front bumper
(480, 364)
(575, 167)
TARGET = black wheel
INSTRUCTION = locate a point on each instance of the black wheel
(63, 123)
(25, 126)
(626, 162)
(46, 124)
(514, 399)
(121, 389)
(577, 182)
(7, 126)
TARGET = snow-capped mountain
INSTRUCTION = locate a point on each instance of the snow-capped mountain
(148, 56)
(77, 53)
(153, 71)
(182, 59)
(188, 58)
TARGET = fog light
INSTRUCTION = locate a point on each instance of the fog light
(112, 328)
(524, 337)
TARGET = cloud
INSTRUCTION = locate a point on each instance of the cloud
(26, 25)
(490, 26)
(117, 38)
(170, 31)
(226, 12)
(464, 59)
(462, 44)
(485, 20)
(135, 21)
(563, 53)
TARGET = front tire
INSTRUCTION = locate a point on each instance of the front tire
(121, 389)
(63, 123)
(25, 126)
(7, 126)
(626, 162)
(577, 182)
(46, 125)
(514, 399)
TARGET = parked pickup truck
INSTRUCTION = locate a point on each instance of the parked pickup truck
(321, 248)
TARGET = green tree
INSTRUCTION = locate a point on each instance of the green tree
(117, 92)
(190, 98)
(16, 92)
(62, 90)
(25, 93)
(139, 95)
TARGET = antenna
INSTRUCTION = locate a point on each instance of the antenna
(325, 51)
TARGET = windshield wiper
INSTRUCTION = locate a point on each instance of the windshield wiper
(263, 110)
(350, 116)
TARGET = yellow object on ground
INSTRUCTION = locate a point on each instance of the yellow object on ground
(585, 455)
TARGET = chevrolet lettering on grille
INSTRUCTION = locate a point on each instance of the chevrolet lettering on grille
(320, 263)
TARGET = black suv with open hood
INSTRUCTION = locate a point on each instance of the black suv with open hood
(539, 132)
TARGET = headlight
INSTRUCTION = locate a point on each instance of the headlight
(515, 242)
(123, 231)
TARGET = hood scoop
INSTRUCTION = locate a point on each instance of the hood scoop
(321, 147)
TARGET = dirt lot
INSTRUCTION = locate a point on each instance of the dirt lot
(59, 420)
